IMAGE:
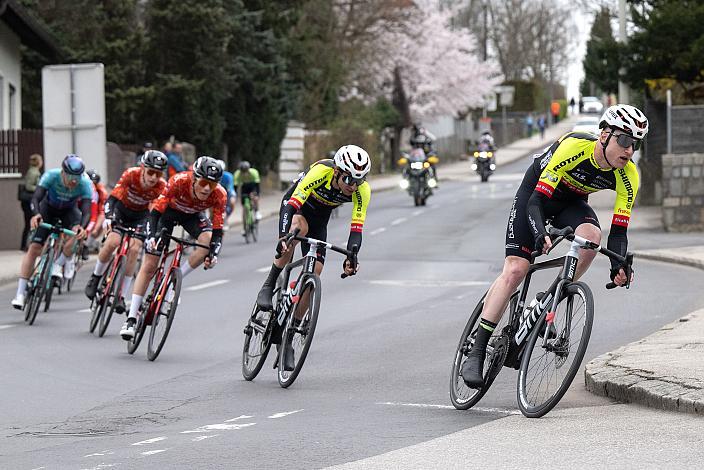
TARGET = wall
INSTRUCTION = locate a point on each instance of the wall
(683, 191)
(11, 72)
(12, 218)
(687, 129)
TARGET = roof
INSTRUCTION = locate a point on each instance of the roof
(31, 33)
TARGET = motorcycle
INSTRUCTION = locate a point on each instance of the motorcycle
(484, 163)
(418, 175)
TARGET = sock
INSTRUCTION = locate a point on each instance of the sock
(21, 286)
(273, 275)
(134, 307)
(61, 260)
(486, 328)
(100, 267)
(127, 286)
(186, 269)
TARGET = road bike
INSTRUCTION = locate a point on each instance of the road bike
(78, 261)
(546, 340)
(287, 329)
(251, 224)
(40, 284)
(158, 308)
(109, 290)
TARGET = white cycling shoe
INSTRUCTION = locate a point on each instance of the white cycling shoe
(69, 269)
(258, 215)
(18, 302)
(127, 331)
(57, 271)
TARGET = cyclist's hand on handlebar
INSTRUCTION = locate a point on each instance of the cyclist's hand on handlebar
(618, 276)
(543, 243)
(80, 232)
(35, 221)
(107, 224)
(150, 244)
(210, 261)
(349, 268)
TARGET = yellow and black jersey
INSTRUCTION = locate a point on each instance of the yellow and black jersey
(568, 170)
(314, 187)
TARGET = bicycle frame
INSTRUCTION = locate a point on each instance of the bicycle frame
(163, 273)
(287, 297)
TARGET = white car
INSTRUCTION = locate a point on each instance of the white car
(592, 104)
(587, 124)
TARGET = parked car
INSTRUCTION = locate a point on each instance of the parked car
(592, 104)
(587, 124)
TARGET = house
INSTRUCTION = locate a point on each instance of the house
(17, 27)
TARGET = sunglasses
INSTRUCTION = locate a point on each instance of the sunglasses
(350, 180)
(206, 183)
(625, 141)
(156, 173)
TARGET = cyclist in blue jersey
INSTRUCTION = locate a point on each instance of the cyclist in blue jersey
(228, 182)
(60, 193)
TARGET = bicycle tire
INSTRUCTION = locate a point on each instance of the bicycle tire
(262, 332)
(540, 409)
(174, 280)
(286, 378)
(115, 288)
(255, 231)
(48, 292)
(99, 302)
(38, 291)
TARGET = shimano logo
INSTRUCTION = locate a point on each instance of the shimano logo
(629, 187)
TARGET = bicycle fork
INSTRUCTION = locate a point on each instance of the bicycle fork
(568, 272)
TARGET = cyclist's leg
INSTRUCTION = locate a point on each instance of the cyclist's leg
(580, 216)
(317, 228)
(199, 228)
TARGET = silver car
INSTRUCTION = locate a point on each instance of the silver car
(592, 104)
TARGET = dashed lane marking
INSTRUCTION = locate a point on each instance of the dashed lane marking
(202, 438)
(152, 452)
(398, 221)
(448, 407)
(265, 269)
(426, 283)
(228, 425)
(205, 285)
(418, 212)
(85, 310)
(378, 231)
(100, 454)
(149, 441)
(5, 327)
(285, 413)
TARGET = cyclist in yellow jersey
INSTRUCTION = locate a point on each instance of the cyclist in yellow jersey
(555, 188)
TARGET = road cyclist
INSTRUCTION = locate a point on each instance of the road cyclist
(247, 183)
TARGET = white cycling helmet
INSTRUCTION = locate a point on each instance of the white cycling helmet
(354, 160)
(627, 118)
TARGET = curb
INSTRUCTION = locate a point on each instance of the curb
(605, 377)
(673, 259)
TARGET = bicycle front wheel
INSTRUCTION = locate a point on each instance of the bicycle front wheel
(257, 342)
(298, 336)
(164, 318)
(97, 306)
(549, 366)
(37, 291)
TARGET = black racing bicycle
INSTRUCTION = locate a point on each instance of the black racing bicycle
(546, 340)
(290, 327)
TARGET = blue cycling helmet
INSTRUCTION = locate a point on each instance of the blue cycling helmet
(73, 165)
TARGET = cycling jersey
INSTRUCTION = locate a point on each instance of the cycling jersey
(314, 187)
(227, 182)
(252, 176)
(130, 192)
(568, 170)
(179, 195)
(58, 195)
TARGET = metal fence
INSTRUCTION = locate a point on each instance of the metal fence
(16, 146)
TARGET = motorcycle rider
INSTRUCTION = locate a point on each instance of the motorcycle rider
(486, 142)
(424, 139)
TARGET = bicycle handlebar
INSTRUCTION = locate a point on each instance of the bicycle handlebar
(350, 254)
(567, 233)
(58, 229)
(166, 235)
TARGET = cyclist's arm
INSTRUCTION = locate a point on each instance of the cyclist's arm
(218, 222)
(360, 202)
(85, 208)
(256, 179)
(38, 196)
(110, 206)
(544, 189)
(627, 182)
(316, 176)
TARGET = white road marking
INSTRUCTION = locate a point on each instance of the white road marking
(239, 417)
(152, 452)
(205, 285)
(285, 413)
(219, 427)
(5, 327)
(418, 212)
(202, 438)
(85, 310)
(150, 441)
(426, 283)
(398, 221)
(100, 454)
(97, 467)
(449, 407)
(377, 231)
(265, 269)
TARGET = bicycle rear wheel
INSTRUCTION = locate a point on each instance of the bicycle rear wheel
(49, 292)
(112, 295)
(461, 396)
(164, 318)
(97, 306)
(139, 330)
(257, 342)
(548, 370)
(300, 333)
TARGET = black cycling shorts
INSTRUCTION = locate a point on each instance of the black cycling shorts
(317, 219)
(129, 218)
(519, 236)
(247, 189)
(194, 224)
(68, 217)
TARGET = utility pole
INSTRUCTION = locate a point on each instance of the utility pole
(623, 94)
(486, 28)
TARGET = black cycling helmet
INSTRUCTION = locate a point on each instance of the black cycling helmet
(208, 168)
(93, 175)
(73, 165)
(155, 159)
(245, 166)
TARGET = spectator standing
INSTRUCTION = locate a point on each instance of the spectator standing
(529, 124)
(541, 126)
(555, 111)
(175, 158)
(572, 103)
(581, 105)
(31, 179)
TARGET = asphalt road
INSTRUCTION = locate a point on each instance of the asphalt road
(376, 378)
